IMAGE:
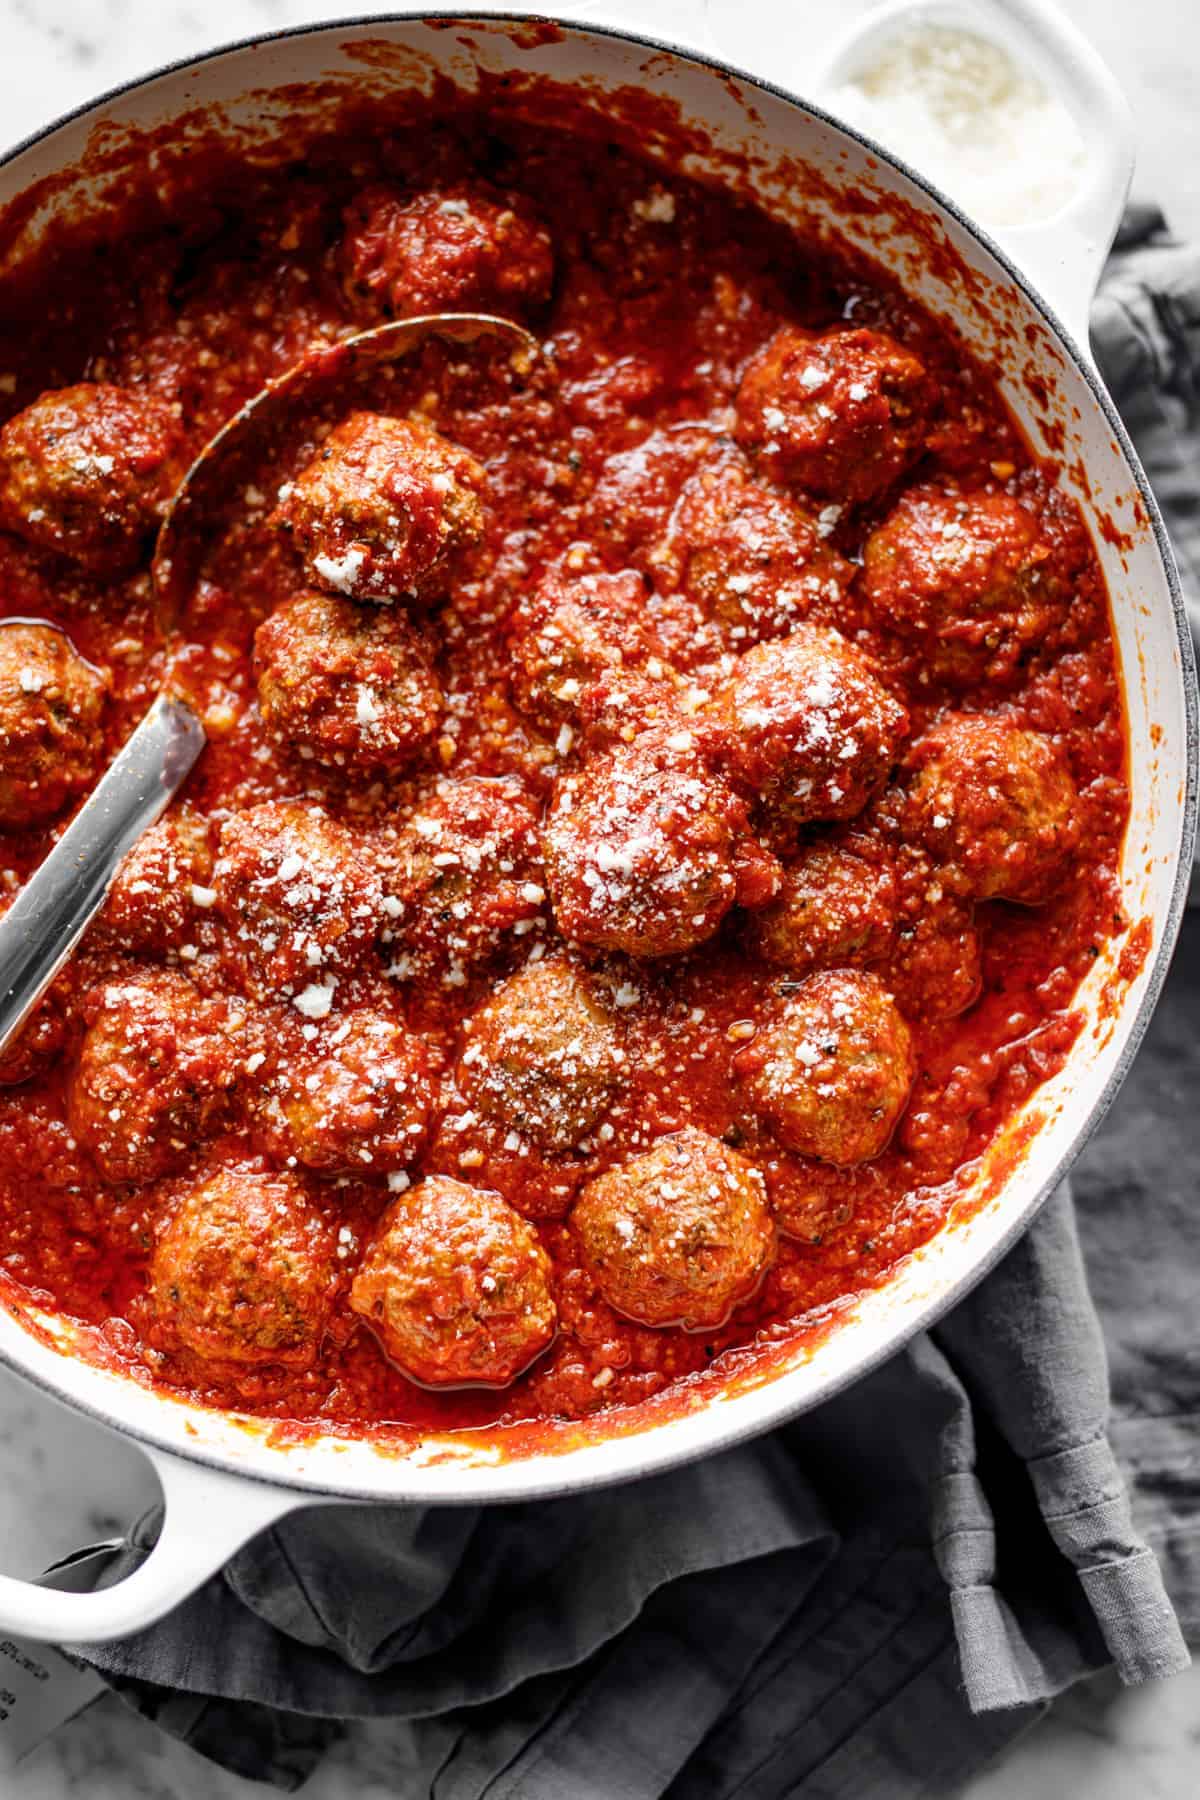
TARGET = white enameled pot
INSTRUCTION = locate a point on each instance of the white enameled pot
(1024, 306)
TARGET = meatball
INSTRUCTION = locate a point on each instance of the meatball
(841, 414)
(245, 1270)
(38, 1043)
(572, 630)
(464, 876)
(51, 705)
(456, 1286)
(679, 1236)
(382, 509)
(833, 910)
(831, 1072)
(542, 1055)
(936, 967)
(464, 248)
(804, 724)
(640, 848)
(346, 684)
(155, 1075)
(300, 902)
(87, 471)
(162, 891)
(996, 803)
(965, 576)
(361, 1106)
(624, 704)
(749, 555)
(636, 489)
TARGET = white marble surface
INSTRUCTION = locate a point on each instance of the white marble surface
(63, 1482)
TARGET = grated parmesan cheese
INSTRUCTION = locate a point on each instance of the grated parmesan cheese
(315, 1000)
(960, 109)
(342, 573)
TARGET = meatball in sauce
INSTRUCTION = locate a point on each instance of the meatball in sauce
(645, 849)
(87, 471)
(840, 414)
(245, 1269)
(456, 1286)
(831, 1072)
(806, 728)
(465, 248)
(51, 711)
(345, 686)
(542, 1055)
(678, 1236)
(380, 511)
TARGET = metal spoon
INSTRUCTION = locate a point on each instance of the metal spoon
(54, 908)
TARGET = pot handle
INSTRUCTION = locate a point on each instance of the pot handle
(1063, 255)
(208, 1516)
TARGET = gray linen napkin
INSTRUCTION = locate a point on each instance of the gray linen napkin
(874, 1599)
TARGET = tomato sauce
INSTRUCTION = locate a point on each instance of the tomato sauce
(663, 290)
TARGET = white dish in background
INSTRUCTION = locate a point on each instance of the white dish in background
(962, 108)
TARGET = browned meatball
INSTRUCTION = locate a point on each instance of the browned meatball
(382, 508)
(464, 248)
(299, 900)
(679, 1236)
(51, 704)
(349, 685)
(841, 414)
(37, 1044)
(624, 704)
(361, 1106)
(936, 967)
(964, 575)
(996, 803)
(831, 1072)
(456, 1286)
(87, 471)
(640, 848)
(833, 910)
(155, 1076)
(465, 876)
(749, 555)
(542, 1055)
(162, 890)
(806, 726)
(573, 628)
(245, 1270)
(628, 509)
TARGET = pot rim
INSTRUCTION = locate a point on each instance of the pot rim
(543, 1474)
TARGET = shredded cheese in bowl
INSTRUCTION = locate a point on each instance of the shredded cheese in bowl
(960, 109)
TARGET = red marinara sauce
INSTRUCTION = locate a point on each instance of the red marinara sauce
(660, 803)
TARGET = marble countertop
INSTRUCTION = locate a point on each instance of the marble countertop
(63, 1482)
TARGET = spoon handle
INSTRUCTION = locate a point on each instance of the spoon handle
(60, 899)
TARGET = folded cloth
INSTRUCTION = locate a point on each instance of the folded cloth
(873, 1599)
